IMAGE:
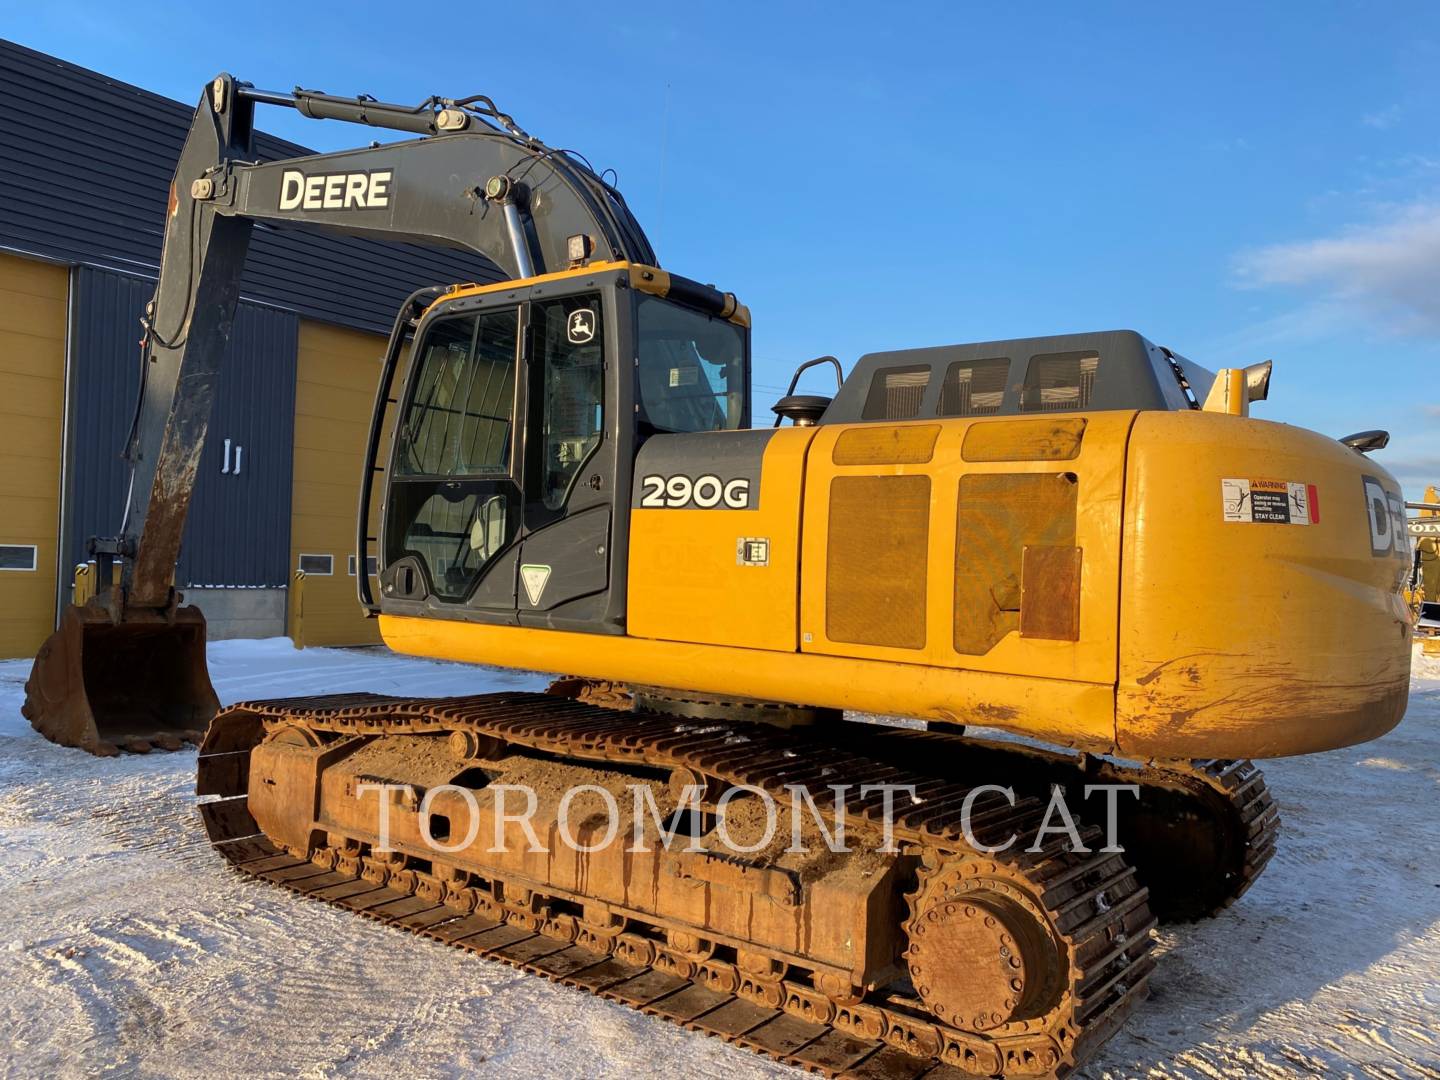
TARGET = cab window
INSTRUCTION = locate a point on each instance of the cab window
(567, 347)
(454, 503)
(460, 414)
(691, 369)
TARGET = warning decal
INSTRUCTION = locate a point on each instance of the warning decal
(1282, 502)
(534, 578)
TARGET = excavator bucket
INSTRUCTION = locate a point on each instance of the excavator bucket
(134, 685)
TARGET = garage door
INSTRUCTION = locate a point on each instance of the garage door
(334, 392)
(33, 299)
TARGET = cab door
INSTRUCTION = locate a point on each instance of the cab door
(570, 463)
(454, 505)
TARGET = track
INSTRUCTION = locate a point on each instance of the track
(1199, 834)
(1222, 809)
(1090, 904)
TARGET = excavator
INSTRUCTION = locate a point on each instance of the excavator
(1067, 563)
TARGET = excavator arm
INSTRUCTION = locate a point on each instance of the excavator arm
(473, 180)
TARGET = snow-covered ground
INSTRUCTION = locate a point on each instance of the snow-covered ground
(126, 949)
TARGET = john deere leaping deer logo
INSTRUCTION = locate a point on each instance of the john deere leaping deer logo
(581, 327)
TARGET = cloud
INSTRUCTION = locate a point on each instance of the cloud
(1414, 474)
(1431, 410)
(1388, 270)
(1384, 119)
(1246, 344)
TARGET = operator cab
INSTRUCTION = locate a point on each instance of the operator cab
(517, 430)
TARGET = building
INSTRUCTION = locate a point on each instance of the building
(85, 169)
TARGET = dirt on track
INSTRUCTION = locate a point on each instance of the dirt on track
(126, 948)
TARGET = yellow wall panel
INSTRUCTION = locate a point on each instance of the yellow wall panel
(30, 440)
(32, 517)
(30, 395)
(25, 313)
(322, 433)
(27, 471)
(334, 392)
(324, 465)
(26, 353)
(19, 275)
(33, 299)
(329, 503)
(320, 399)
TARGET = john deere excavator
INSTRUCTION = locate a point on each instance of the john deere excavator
(1083, 541)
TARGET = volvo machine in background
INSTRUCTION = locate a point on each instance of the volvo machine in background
(1082, 540)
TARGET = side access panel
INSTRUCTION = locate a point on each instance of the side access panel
(715, 538)
(565, 563)
(988, 545)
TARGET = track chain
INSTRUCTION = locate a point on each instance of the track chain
(1251, 813)
(1227, 799)
(1092, 902)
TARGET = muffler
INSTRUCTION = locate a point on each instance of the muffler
(138, 684)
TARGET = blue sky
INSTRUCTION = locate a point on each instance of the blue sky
(1236, 181)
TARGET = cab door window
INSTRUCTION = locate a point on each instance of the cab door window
(567, 358)
(460, 418)
(454, 502)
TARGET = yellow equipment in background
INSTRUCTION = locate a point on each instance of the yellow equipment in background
(1423, 592)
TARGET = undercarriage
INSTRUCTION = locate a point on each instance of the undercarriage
(952, 935)
(1199, 833)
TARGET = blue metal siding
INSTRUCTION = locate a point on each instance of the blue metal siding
(238, 529)
(88, 162)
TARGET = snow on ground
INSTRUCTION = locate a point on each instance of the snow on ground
(126, 949)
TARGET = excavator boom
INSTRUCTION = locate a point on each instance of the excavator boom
(128, 668)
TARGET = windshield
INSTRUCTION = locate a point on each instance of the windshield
(692, 369)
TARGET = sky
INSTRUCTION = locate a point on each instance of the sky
(1239, 182)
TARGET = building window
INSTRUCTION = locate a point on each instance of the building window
(318, 565)
(17, 556)
(974, 387)
(371, 567)
(1060, 381)
(895, 393)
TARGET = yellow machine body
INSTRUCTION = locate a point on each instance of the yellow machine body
(1427, 550)
(1152, 584)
